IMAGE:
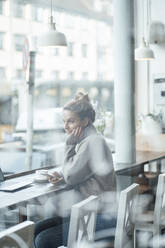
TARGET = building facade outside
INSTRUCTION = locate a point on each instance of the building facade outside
(87, 57)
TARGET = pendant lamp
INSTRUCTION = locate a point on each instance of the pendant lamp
(144, 52)
(52, 37)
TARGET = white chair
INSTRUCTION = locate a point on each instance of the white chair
(20, 235)
(153, 222)
(82, 222)
(126, 216)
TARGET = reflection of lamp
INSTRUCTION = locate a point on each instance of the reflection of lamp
(144, 52)
(157, 33)
(52, 37)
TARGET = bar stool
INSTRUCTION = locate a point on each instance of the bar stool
(82, 222)
(153, 221)
(126, 217)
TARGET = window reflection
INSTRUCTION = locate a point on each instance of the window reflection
(59, 72)
(2, 40)
(18, 9)
(19, 41)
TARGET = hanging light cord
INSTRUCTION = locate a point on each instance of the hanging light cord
(51, 9)
(148, 20)
(143, 18)
(53, 25)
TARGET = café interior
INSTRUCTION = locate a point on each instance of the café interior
(137, 36)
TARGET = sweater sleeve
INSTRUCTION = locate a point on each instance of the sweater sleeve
(76, 167)
(92, 157)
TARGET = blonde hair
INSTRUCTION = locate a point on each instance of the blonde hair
(81, 106)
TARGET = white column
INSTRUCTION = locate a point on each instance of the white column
(124, 81)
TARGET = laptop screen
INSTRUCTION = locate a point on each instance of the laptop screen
(1, 176)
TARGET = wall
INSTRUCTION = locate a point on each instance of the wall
(157, 66)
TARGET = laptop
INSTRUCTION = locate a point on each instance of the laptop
(11, 186)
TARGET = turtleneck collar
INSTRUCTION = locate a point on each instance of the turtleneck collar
(88, 130)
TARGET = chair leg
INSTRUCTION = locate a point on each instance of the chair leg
(134, 238)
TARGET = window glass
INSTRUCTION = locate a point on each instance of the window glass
(56, 74)
(19, 74)
(18, 10)
(1, 7)
(2, 72)
(18, 42)
(85, 75)
(56, 51)
(38, 73)
(37, 14)
(70, 75)
(59, 73)
(70, 49)
(1, 40)
(84, 50)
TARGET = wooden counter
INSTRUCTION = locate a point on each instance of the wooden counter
(127, 173)
(150, 142)
(142, 158)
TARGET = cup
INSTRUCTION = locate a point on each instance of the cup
(41, 174)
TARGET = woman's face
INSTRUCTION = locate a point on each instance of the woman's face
(71, 121)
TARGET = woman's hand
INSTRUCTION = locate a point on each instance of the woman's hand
(54, 177)
(75, 136)
(77, 131)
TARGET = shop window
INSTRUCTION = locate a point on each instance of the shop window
(19, 41)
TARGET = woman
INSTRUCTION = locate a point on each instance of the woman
(88, 168)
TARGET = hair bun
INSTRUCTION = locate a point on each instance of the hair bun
(81, 96)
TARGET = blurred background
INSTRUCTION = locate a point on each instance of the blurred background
(85, 64)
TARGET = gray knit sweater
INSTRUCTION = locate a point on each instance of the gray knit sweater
(88, 164)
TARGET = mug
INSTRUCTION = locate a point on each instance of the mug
(41, 174)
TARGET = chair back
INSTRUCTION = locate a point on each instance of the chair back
(126, 217)
(19, 236)
(159, 211)
(82, 221)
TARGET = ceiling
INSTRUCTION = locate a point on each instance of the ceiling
(81, 7)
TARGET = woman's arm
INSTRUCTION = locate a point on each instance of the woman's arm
(92, 157)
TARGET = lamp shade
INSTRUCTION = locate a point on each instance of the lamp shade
(52, 37)
(144, 52)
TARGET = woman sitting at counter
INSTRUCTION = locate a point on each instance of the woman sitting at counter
(88, 168)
